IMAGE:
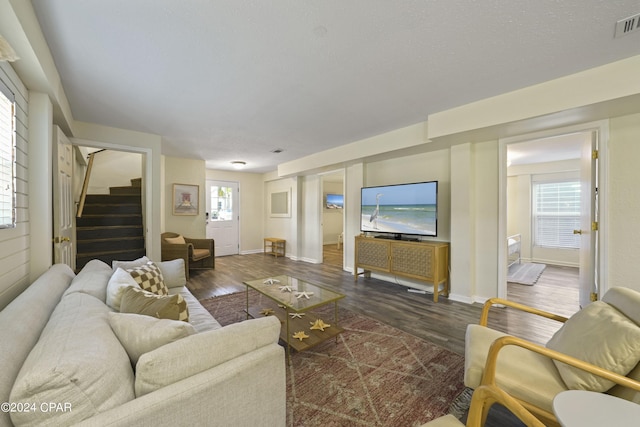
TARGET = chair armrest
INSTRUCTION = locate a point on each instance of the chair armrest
(200, 243)
(484, 317)
(489, 375)
(486, 395)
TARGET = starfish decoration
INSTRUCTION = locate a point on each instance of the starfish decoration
(266, 311)
(286, 289)
(271, 281)
(300, 335)
(307, 295)
(296, 315)
(319, 324)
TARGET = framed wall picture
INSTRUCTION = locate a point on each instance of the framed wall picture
(185, 199)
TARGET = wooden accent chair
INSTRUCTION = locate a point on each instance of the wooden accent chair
(596, 349)
(196, 253)
(483, 398)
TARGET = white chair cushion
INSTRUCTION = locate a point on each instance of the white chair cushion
(522, 373)
(601, 335)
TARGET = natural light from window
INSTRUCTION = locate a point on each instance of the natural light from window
(556, 213)
(7, 157)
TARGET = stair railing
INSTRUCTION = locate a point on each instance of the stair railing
(85, 184)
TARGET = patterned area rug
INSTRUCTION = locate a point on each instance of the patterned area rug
(375, 375)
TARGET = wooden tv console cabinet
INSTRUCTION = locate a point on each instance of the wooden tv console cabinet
(424, 261)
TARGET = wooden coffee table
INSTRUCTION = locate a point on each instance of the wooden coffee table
(292, 301)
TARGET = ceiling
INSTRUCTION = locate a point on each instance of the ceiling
(238, 79)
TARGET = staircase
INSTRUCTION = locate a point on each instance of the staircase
(111, 226)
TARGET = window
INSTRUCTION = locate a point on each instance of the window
(7, 157)
(556, 212)
(221, 203)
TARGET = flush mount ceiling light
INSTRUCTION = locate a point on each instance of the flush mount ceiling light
(6, 51)
(237, 164)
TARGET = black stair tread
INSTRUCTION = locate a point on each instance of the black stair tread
(106, 239)
(106, 253)
(99, 227)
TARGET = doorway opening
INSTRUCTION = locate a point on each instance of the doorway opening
(549, 201)
(332, 218)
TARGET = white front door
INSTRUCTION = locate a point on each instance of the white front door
(63, 248)
(223, 216)
(588, 229)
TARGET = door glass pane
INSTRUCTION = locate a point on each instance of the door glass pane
(221, 203)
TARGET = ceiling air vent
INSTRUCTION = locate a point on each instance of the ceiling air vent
(628, 25)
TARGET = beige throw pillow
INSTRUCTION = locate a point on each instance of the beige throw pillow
(149, 277)
(601, 335)
(119, 280)
(178, 240)
(140, 334)
(139, 301)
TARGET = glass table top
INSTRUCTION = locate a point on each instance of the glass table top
(295, 294)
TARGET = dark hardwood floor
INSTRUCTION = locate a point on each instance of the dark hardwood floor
(443, 323)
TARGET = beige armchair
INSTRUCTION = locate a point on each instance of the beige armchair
(597, 349)
(196, 253)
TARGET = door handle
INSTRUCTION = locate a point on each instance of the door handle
(58, 239)
(577, 231)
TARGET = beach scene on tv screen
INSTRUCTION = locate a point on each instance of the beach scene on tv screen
(400, 209)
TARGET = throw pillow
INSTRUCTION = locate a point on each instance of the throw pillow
(149, 277)
(173, 273)
(126, 265)
(139, 301)
(140, 334)
(178, 240)
(117, 283)
(601, 335)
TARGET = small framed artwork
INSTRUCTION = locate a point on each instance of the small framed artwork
(185, 199)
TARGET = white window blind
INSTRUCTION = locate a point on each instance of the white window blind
(7, 156)
(557, 214)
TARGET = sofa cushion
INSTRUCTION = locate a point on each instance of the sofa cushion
(197, 353)
(616, 345)
(149, 277)
(139, 301)
(120, 280)
(140, 334)
(178, 240)
(77, 360)
(126, 265)
(199, 317)
(22, 325)
(92, 280)
(520, 372)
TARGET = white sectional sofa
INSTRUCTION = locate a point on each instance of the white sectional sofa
(63, 364)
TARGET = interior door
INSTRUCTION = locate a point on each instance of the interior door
(63, 248)
(223, 216)
(588, 220)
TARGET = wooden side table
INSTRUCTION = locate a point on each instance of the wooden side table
(275, 246)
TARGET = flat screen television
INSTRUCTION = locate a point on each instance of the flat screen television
(403, 209)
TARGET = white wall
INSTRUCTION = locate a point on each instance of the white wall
(623, 202)
(284, 227)
(114, 169)
(15, 242)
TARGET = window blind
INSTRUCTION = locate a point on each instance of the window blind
(557, 214)
(7, 156)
